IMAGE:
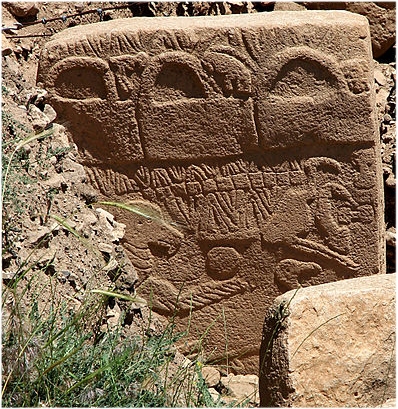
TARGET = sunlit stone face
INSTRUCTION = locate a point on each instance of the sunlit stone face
(250, 140)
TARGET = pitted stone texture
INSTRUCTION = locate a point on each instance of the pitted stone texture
(211, 376)
(246, 146)
(6, 46)
(334, 345)
(381, 16)
(242, 389)
(22, 9)
(390, 403)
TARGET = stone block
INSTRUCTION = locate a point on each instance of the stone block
(211, 376)
(247, 145)
(288, 6)
(331, 345)
(6, 46)
(22, 9)
(242, 389)
(381, 17)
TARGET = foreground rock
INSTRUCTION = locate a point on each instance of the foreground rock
(241, 389)
(333, 345)
(246, 146)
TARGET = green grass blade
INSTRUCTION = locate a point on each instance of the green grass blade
(134, 209)
(88, 378)
(70, 229)
(33, 137)
(20, 355)
(316, 329)
(60, 361)
(134, 299)
(150, 214)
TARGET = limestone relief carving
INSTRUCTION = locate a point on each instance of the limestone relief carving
(245, 208)
(152, 235)
(249, 139)
(175, 86)
(367, 169)
(168, 299)
(190, 92)
(305, 83)
(290, 272)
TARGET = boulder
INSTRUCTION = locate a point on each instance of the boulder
(39, 119)
(288, 6)
(211, 376)
(241, 388)
(381, 16)
(22, 9)
(331, 345)
(382, 23)
(6, 46)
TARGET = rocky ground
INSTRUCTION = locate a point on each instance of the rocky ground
(50, 220)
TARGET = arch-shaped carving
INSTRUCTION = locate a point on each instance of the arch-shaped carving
(303, 71)
(178, 108)
(173, 75)
(82, 78)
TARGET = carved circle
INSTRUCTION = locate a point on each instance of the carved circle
(223, 262)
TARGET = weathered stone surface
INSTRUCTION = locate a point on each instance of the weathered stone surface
(288, 6)
(382, 20)
(41, 119)
(22, 9)
(6, 46)
(333, 345)
(211, 376)
(390, 403)
(381, 16)
(241, 388)
(247, 142)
